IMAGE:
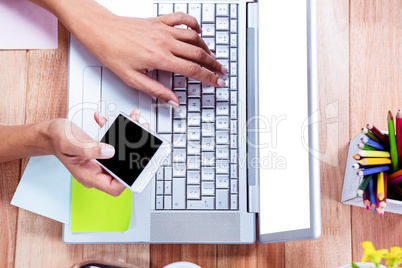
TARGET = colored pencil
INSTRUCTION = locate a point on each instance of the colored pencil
(372, 170)
(362, 146)
(373, 204)
(381, 211)
(395, 175)
(356, 157)
(363, 185)
(374, 161)
(372, 143)
(366, 200)
(355, 166)
(397, 180)
(398, 122)
(368, 133)
(378, 133)
(374, 153)
(383, 203)
(392, 142)
(380, 186)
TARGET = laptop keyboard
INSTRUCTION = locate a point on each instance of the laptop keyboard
(202, 171)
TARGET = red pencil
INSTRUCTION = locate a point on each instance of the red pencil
(366, 201)
(378, 133)
(398, 131)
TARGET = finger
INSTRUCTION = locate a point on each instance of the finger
(148, 85)
(100, 119)
(108, 184)
(191, 37)
(135, 115)
(179, 18)
(193, 70)
(198, 55)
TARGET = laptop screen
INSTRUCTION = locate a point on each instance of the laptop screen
(283, 122)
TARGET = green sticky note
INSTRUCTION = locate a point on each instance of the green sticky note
(96, 211)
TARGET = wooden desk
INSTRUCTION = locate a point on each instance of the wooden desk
(360, 55)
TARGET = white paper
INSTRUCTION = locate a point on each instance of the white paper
(45, 189)
(24, 25)
(130, 8)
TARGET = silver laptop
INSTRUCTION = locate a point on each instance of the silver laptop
(250, 149)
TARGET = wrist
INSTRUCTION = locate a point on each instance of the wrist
(42, 143)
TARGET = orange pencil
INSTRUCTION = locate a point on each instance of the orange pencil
(395, 175)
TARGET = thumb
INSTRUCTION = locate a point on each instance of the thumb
(101, 151)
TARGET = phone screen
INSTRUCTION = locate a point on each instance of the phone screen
(134, 147)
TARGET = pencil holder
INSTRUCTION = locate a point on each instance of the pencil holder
(352, 181)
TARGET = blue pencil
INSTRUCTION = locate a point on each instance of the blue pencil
(372, 143)
(373, 170)
(372, 195)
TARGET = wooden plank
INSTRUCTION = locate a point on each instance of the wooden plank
(333, 248)
(375, 73)
(202, 255)
(12, 111)
(237, 255)
(271, 255)
(39, 241)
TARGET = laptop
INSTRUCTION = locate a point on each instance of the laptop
(253, 175)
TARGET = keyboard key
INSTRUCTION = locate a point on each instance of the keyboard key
(194, 119)
(233, 156)
(208, 129)
(164, 9)
(179, 126)
(193, 192)
(234, 189)
(193, 162)
(159, 187)
(208, 159)
(222, 38)
(233, 141)
(194, 90)
(233, 83)
(179, 170)
(222, 199)
(167, 202)
(159, 202)
(233, 43)
(233, 26)
(222, 152)
(179, 140)
(208, 101)
(222, 123)
(204, 203)
(195, 11)
(222, 166)
(180, 112)
(194, 105)
(224, 63)
(222, 94)
(182, 96)
(168, 174)
(208, 30)
(233, 111)
(168, 187)
(222, 137)
(233, 11)
(179, 155)
(208, 188)
(159, 174)
(222, 181)
(207, 89)
(210, 42)
(180, 82)
(164, 118)
(233, 97)
(194, 148)
(234, 171)
(208, 144)
(222, 108)
(233, 69)
(193, 177)
(208, 115)
(233, 202)
(208, 173)
(233, 54)
(208, 13)
(222, 52)
(180, 8)
(222, 10)
(179, 191)
(222, 24)
(194, 134)
(233, 126)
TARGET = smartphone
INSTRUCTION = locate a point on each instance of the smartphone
(139, 152)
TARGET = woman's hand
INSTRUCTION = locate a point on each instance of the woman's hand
(77, 151)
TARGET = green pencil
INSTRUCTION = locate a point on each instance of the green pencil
(367, 132)
(364, 184)
(392, 142)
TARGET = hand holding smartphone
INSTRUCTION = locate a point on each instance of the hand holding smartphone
(139, 153)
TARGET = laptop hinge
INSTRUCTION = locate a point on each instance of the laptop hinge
(252, 109)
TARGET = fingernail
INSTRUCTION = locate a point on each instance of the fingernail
(107, 151)
(224, 70)
(213, 55)
(174, 104)
(221, 83)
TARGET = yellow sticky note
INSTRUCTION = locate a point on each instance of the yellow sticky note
(96, 211)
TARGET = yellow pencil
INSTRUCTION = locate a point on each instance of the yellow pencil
(374, 161)
(380, 186)
(374, 153)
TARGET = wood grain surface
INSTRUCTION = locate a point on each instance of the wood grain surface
(360, 53)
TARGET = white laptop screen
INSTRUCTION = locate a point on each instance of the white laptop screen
(283, 108)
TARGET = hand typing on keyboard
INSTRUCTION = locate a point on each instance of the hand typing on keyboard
(132, 47)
